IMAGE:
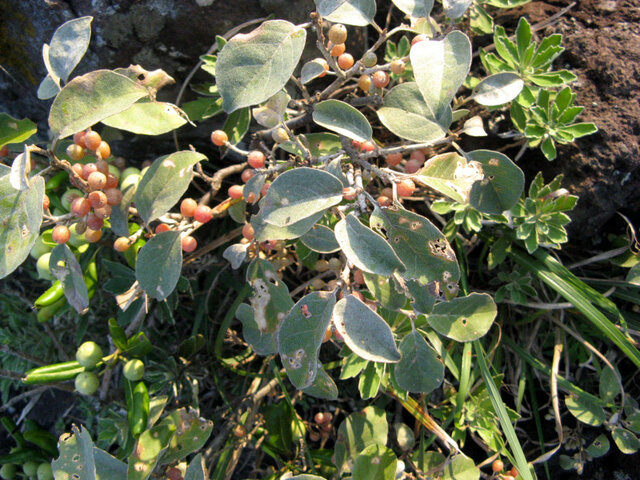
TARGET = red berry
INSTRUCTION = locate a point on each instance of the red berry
(112, 181)
(418, 156)
(320, 418)
(45, 202)
(163, 227)
(384, 201)
(92, 140)
(88, 169)
(497, 466)
(78, 138)
(397, 67)
(406, 188)
(368, 146)
(78, 169)
(265, 189)
(256, 159)
(380, 79)
(80, 206)
(393, 159)
(345, 61)
(235, 191)
(94, 223)
(247, 175)
(349, 193)
(102, 166)
(188, 207)
(337, 49)
(98, 199)
(202, 214)
(356, 144)
(247, 231)
(387, 192)
(513, 472)
(103, 212)
(219, 137)
(103, 150)
(97, 181)
(412, 166)
(358, 277)
(121, 244)
(189, 244)
(61, 234)
(93, 236)
(114, 196)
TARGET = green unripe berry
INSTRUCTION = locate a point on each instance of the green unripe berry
(42, 266)
(369, 59)
(87, 383)
(89, 354)
(280, 135)
(133, 370)
(45, 471)
(8, 471)
(30, 468)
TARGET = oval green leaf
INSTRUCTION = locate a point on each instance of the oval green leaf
(298, 194)
(445, 173)
(164, 183)
(148, 118)
(585, 410)
(455, 8)
(68, 45)
(65, 267)
(365, 248)
(415, 8)
(626, 441)
(352, 12)
(357, 432)
(440, 68)
(364, 331)
(376, 462)
(322, 387)
(420, 370)
(20, 220)
(264, 231)
(300, 336)
(461, 468)
(421, 247)
(90, 98)
(323, 143)
(253, 67)
(159, 264)
(237, 124)
(310, 70)
(342, 118)
(464, 319)
(406, 114)
(320, 239)
(498, 89)
(502, 185)
(382, 288)
(15, 131)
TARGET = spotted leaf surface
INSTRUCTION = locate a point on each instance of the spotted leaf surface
(270, 300)
(300, 336)
(464, 318)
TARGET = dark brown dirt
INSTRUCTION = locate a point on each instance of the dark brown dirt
(602, 40)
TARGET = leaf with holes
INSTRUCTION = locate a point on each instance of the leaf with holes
(151, 445)
(300, 336)
(253, 67)
(440, 68)
(261, 343)
(357, 432)
(342, 118)
(15, 131)
(192, 432)
(65, 267)
(148, 117)
(164, 183)
(159, 264)
(352, 12)
(599, 447)
(498, 89)
(420, 370)
(320, 239)
(406, 114)
(502, 183)
(298, 194)
(415, 8)
(271, 300)
(422, 248)
(90, 98)
(20, 220)
(448, 174)
(464, 319)
(364, 331)
(626, 441)
(376, 462)
(366, 249)
(323, 386)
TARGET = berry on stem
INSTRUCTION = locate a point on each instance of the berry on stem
(247, 174)
(380, 79)
(89, 354)
(188, 207)
(102, 166)
(163, 227)
(94, 223)
(88, 169)
(189, 244)
(412, 166)
(219, 137)
(97, 181)
(78, 138)
(98, 199)
(92, 140)
(235, 191)
(103, 150)
(247, 232)
(203, 214)
(418, 156)
(75, 152)
(114, 196)
(61, 234)
(345, 61)
(367, 146)
(87, 383)
(419, 38)
(393, 159)
(103, 212)
(349, 193)
(497, 466)
(93, 236)
(337, 49)
(121, 244)
(80, 206)
(46, 202)
(280, 135)
(406, 187)
(397, 67)
(369, 59)
(337, 33)
(133, 370)
(256, 159)
(364, 82)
